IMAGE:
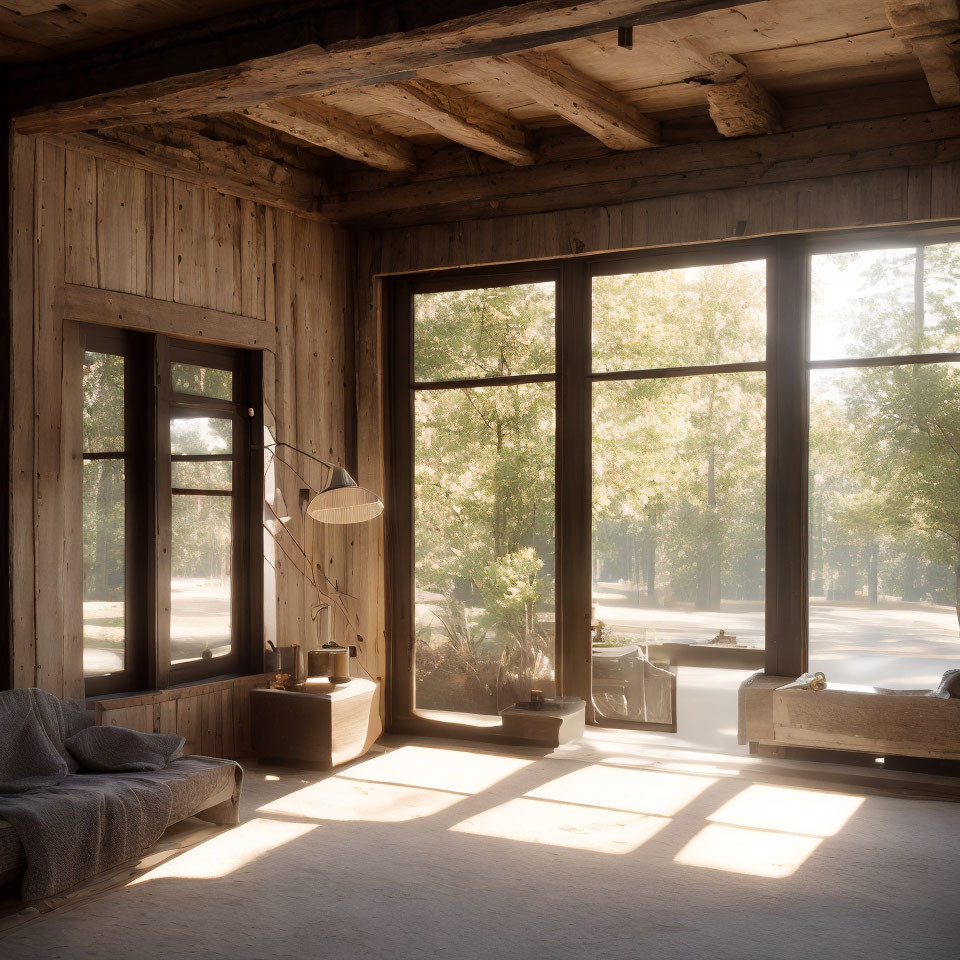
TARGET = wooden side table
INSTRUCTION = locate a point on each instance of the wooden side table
(319, 723)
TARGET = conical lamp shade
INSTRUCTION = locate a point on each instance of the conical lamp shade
(342, 501)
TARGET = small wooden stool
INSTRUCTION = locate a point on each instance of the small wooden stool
(555, 724)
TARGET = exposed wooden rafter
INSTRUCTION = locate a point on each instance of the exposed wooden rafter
(826, 148)
(555, 84)
(461, 119)
(344, 133)
(190, 156)
(741, 107)
(931, 31)
(251, 65)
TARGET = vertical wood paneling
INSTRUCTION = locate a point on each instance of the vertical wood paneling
(160, 235)
(207, 248)
(71, 482)
(253, 259)
(80, 220)
(22, 507)
(190, 724)
(51, 515)
(121, 228)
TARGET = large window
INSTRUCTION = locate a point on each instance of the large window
(617, 475)
(169, 530)
(884, 496)
(678, 476)
(484, 414)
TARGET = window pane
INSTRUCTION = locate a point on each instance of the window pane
(201, 435)
(688, 317)
(104, 567)
(882, 303)
(103, 383)
(678, 522)
(490, 332)
(884, 552)
(201, 381)
(484, 530)
(211, 475)
(200, 577)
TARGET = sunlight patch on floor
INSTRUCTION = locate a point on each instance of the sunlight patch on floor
(457, 771)
(564, 825)
(810, 812)
(223, 854)
(620, 788)
(758, 853)
(337, 798)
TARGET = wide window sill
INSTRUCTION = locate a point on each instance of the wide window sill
(170, 693)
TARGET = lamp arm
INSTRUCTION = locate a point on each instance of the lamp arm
(303, 453)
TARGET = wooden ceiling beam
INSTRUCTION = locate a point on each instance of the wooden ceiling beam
(742, 108)
(462, 119)
(345, 133)
(188, 155)
(313, 48)
(931, 31)
(555, 84)
(834, 148)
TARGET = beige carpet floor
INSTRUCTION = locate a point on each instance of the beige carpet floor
(466, 852)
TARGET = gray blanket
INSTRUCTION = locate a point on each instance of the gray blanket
(70, 827)
(117, 749)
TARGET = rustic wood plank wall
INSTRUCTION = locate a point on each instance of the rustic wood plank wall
(84, 220)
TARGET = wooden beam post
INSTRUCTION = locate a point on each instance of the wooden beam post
(457, 117)
(249, 59)
(742, 108)
(344, 133)
(931, 31)
(787, 628)
(557, 85)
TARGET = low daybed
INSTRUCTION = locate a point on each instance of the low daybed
(61, 822)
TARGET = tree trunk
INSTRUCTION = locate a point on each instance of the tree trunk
(873, 575)
(918, 305)
(652, 560)
(956, 571)
(708, 574)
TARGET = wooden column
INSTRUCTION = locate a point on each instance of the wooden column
(574, 484)
(6, 652)
(787, 430)
(400, 492)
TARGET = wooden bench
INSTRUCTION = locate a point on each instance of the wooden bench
(850, 718)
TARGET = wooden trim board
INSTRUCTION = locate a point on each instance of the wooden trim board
(133, 312)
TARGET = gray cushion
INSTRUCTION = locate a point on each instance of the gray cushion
(117, 749)
(949, 688)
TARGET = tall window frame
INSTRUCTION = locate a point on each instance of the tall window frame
(787, 425)
(866, 241)
(150, 402)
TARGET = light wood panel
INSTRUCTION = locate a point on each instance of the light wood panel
(214, 717)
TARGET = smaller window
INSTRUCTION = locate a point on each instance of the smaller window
(170, 531)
